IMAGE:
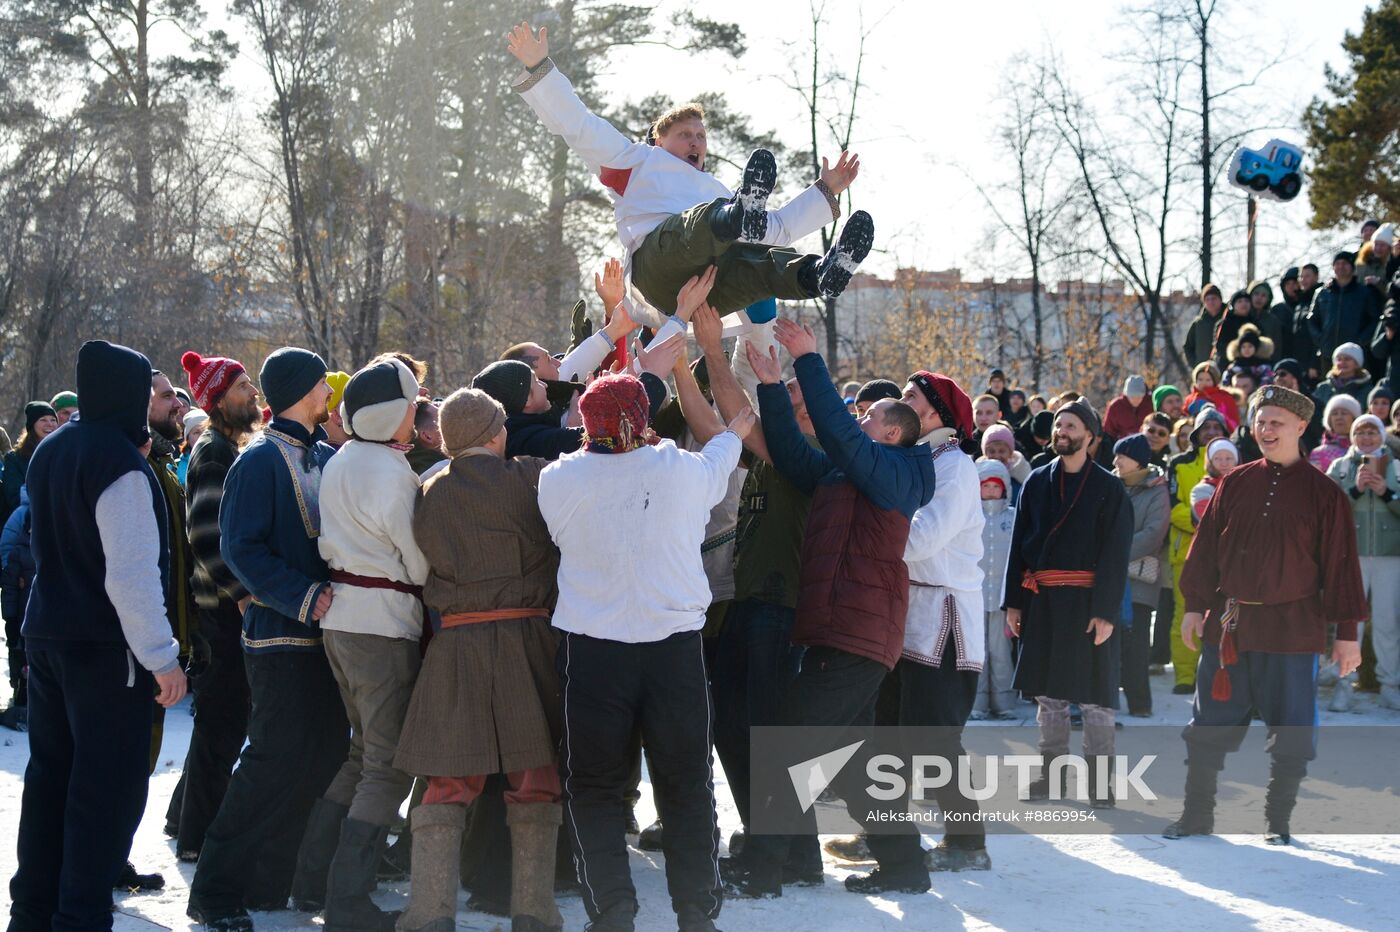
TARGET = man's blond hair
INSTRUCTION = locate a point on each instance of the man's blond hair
(690, 111)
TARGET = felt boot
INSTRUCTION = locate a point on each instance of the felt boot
(534, 828)
(437, 841)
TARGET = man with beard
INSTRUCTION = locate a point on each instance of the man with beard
(1064, 593)
(221, 387)
(298, 734)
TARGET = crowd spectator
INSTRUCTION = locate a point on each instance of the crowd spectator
(1147, 493)
(1344, 312)
(1337, 419)
(1370, 475)
(1125, 413)
(1199, 345)
(1206, 390)
(996, 698)
(40, 420)
(1167, 399)
(1183, 472)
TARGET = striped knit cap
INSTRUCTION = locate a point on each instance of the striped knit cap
(210, 377)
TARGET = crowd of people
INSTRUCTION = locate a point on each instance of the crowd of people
(490, 605)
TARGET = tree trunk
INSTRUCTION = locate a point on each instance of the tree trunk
(1207, 184)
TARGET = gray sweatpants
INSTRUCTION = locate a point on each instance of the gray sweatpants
(376, 676)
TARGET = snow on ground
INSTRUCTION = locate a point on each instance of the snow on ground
(1050, 882)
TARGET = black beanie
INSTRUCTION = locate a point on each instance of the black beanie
(287, 375)
(35, 410)
(507, 381)
(115, 383)
(877, 389)
(1042, 425)
(1291, 366)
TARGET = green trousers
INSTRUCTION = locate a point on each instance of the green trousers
(683, 246)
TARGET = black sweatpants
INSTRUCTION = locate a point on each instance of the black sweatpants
(221, 705)
(916, 695)
(85, 786)
(609, 688)
(298, 737)
(833, 688)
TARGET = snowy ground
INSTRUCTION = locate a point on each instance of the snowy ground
(1051, 882)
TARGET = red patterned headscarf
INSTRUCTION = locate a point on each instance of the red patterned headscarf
(615, 409)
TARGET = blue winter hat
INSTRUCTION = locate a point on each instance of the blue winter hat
(287, 375)
(1135, 447)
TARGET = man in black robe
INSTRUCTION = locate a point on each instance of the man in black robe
(1064, 594)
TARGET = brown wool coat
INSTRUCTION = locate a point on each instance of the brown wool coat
(487, 698)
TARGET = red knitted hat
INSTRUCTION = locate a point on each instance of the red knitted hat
(948, 399)
(210, 377)
(614, 410)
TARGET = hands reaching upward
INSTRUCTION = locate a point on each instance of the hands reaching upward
(796, 338)
(709, 331)
(609, 285)
(838, 178)
(743, 422)
(694, 292)
(525, 45)
(766, 367)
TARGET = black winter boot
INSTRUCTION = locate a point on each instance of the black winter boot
(745, 217)
(1198, 811)
(833, 272)
(352, 880)
(1285, 776)
(1101, 793)
(318, 845)
(133, 882)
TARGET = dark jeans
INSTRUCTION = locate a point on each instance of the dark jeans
(915, 695)
(610, 687)
(1281, 687)
(1134, 656)
(755, 663)
(833, 688)
(221, 705)
(298, 737)
(84, 787)
(1162, 624)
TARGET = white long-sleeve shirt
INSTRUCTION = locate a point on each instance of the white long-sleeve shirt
(629, 527)
(944, 556)
(368, 492)
(646, 184)
(126, 524)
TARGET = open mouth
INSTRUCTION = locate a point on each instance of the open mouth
(693, 159)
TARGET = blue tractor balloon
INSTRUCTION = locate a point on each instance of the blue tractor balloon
(1273, 172)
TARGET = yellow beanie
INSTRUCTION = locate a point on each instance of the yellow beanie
(337, 381)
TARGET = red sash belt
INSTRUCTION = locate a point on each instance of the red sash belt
(457, 619)
(377, 582)
(1078, 579)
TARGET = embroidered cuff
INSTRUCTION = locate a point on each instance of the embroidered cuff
(309, 602)
(533, 76)
(831, 199)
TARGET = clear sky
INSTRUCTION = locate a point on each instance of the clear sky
(933, 71)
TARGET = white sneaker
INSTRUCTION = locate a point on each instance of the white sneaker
(1342, 697)
(1390, 697)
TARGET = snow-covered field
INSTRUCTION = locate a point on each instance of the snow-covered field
(1050, 882)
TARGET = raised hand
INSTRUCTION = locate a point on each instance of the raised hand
(743, 422)
(765, 366)
(660, 360)
(694, 292)
(609, 285)
(796, 338)
(709, 331)
(529, 48)
(620, 324)
(838, 177)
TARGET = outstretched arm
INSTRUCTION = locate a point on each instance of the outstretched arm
(730, 396)
(815, 207)
(557, 105)
(850, 450)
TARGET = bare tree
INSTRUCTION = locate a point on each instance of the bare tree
(1128, 198)
(1029, 205)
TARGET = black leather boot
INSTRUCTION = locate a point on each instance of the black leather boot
(353, 878)
(318, 844)
(1285, 776)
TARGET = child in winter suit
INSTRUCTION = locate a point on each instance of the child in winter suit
(1221, 457)
(995, 697)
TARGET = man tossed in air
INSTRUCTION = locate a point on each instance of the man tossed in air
(675, 219)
